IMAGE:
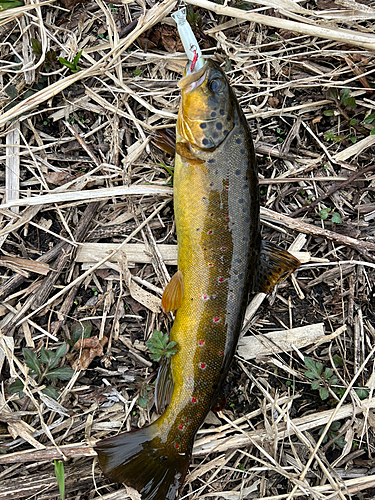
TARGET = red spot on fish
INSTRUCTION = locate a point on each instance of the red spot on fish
(202, 366)
(189, 379)
(201, 343)
(227, 218)
(199, 414)
(176, 446)
(180, 427)
(209, 232)
(227, 187)
(204, 297)
(216, 319)
(211, 215)
(193, 400)
(220, 279)
(231, 297)
(221, 353)
(228, 227)
(223, 248)
(210, 264)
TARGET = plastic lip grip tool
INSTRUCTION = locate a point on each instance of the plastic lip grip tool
(188, 40)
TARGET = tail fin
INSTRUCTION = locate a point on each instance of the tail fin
(142, 461)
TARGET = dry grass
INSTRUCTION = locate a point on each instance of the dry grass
(87, 237)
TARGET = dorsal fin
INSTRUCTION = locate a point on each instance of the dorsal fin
(275, 265)
(173, 293)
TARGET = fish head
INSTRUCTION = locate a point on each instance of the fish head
(207, 110)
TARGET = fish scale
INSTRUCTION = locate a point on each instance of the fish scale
(221, 258)
(215, 200)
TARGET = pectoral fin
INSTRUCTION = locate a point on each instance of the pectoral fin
(173, 293)
(164, 385)
(275, 265)
(165, 139)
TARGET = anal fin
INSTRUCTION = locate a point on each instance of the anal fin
(275, 265)
(164, 385)
(173, 293)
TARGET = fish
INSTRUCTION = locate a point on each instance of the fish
(221, 260)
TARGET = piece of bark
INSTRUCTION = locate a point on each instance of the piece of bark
(336, 187)
(366, 248)
(20, 265)
(66, 254)
(15, 281)
(282, 341)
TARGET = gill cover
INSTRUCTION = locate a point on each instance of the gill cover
(206, 116)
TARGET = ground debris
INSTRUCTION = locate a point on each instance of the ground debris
(87, 237)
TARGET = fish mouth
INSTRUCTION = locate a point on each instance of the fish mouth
(194, 80)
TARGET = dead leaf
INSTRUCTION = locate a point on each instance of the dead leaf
(273, 101)
(317, 119)
(58, 178)
(89, 349)
(69, 4)
(162, 37)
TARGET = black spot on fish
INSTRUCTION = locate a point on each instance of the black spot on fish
(205, 141)
(242, 151)
(219, 125)
(222, 112)
(241, 131)
(213, 114)
(215, 135)
(203, 125)
(240, 276)
(237, 140)
(244, 210)
(211, 160)
(238, 172)
(229, 118)
(245, 238)
(238, 261)
(240, 200)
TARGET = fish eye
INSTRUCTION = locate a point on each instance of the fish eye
(216, 84)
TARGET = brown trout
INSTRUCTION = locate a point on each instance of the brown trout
(221, 258)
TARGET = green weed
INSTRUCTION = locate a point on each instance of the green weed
(320, 380)
(44, 368)
(335, 217)
(59, 472)
(160, 347)
(333, 435)
(73, 66)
